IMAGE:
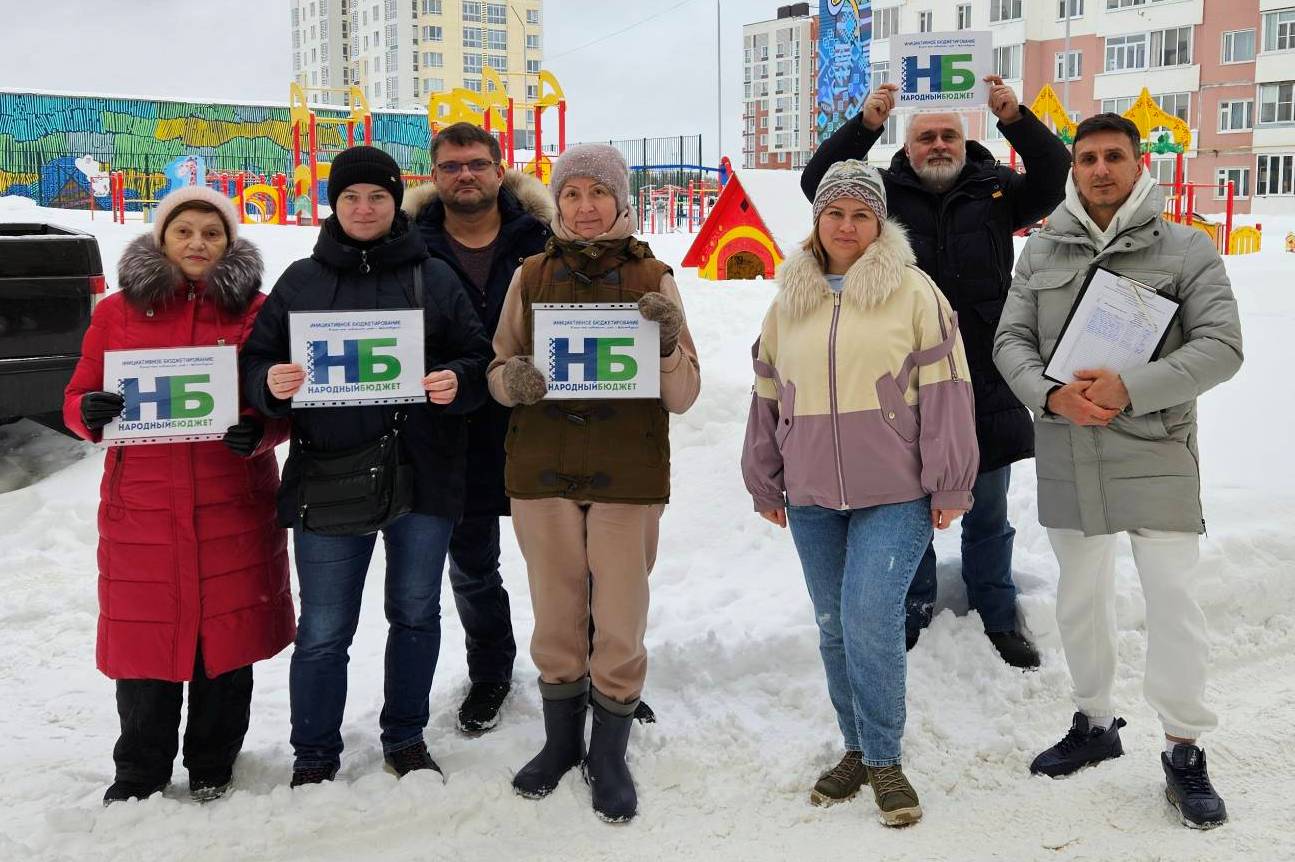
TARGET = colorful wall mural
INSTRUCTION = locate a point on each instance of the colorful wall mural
(42, 136)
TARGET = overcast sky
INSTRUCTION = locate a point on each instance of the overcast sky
(646, 68)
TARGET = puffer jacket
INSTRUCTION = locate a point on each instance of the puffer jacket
(188, 546)
(893, 417)
(1142, 470)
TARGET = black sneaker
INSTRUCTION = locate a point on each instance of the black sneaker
(1188, 788)
(643, 713)
(410, 759)
(121, 791)
(1015, 649)
(209, 786)
(480, 709)
(312, 775)
(1081, 746)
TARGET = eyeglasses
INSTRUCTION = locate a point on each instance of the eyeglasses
(477, 166)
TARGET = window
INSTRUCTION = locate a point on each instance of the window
(890, 132)
(323, 29)
(296, 38)
(532, 41)
(1117, 106)
(393, 91)
(880, 74)
(391, 34)
(1162, 171)
(471, 11)
(532, 67)
(1004, 10)
(1127, 4)
(433, 34)
(964, 16)
(497, 40)
(1276, 175)
(1279, 32)
(532, 16)
(432, 7)
(1277, 103)
(1126, 52)
(885, 22)
(496, 13)
(992, 132)
(1007, 61)
(924, 22)
(1172, 47)
(433, 59)
(390, 10)
(1070, 8)
(532, 92)
(323, 77)
(296, 18)
(1238, 46)
(471, 37)
(1236, 116)
(296, 62)
(472, 64)
(1069, 66)
(434, 85)
(314, 32)
(1240, 178)
(498, 62)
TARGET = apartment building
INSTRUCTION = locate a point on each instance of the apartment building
(1225, 67)
(399, 52)
(779, 68)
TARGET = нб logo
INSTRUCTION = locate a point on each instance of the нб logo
(944, 74)
(599, 360)
(359, 360)
(173, 397)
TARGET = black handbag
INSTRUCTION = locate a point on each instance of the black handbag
(357, 491)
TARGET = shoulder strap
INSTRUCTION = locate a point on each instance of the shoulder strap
(418, 285)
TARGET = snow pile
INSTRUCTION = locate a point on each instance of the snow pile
(745, 724)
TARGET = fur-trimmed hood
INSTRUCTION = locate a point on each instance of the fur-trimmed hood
(869, 281)
(533, 196)
(148, 279)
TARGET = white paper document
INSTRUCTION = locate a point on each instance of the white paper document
(358, 357)
(597, 350)
(1117, 323)
(172, 395)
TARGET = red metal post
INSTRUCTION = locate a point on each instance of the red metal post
(281, 197)
(512, 149)
(314, 173)
(539, 134)
(1011, 157)
(1227, 225)
(240, 185)
(368, 130)
(562, 126)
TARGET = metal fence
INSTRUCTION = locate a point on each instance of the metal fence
(662, 161)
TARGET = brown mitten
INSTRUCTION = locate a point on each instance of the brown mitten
(667, 314)
(523, 381)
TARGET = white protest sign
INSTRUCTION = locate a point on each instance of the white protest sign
(597, 350)
(942, 71)
(172, 395)
(358, 357)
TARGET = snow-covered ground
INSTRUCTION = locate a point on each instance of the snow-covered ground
(745, 724)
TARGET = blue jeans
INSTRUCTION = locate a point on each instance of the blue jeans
(986, 560)
(331, 571)
(858, 564)
(481, 599)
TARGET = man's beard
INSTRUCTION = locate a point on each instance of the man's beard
(481, 204)
(939, 178)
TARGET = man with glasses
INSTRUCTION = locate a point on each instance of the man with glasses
(482, 220)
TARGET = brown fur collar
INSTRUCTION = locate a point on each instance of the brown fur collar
(147, 279)
(869, 281)
(534, 196)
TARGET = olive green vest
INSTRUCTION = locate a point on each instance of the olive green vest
(602, 451)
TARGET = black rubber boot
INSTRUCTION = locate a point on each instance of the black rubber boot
(615, 800)
(565, 705)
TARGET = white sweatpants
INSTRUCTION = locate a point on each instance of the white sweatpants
(1177, 643)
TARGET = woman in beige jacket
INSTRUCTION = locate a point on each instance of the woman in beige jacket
(589, 479)
(862, 438)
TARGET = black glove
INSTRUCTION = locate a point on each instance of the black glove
(243, 438)
(100, 408)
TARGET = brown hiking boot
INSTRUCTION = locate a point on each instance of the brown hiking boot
(840, 782)
(896, 798)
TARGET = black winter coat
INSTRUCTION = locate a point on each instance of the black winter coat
(525, 208)
(340, 276)
(963, 240)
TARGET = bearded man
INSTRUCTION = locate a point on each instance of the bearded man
(961, 207)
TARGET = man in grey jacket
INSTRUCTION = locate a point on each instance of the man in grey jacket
(1117, 453)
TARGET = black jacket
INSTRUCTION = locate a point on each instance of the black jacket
(334, 278)
(963, 240)
(525, 208)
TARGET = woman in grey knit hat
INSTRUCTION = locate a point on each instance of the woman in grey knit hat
(589, 479)
(861, 438)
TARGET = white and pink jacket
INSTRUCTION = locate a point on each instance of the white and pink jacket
(861, 397)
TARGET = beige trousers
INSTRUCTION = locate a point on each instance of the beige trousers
(570, 545)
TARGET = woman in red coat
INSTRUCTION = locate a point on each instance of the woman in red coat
(193, 570)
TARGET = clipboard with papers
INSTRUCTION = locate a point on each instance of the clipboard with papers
(1116, 322)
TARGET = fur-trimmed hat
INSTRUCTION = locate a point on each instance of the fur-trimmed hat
(364, 165)
(852, 179)
(601, 162)
(166, 210)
